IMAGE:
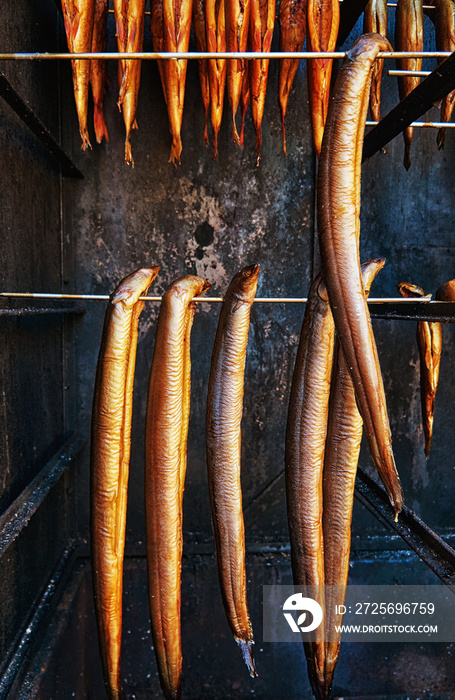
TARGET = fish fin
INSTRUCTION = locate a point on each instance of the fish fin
(247, 653)
(99, 124)
(128, 153)
(176, 150)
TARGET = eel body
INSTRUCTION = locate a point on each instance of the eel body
(245, 101)
(216, 43)
(129, 25)
(344, 434)
(304, 461)
(292, 20)
(165, 464)
(237, 14)
(200, 41)
(110, 451)
(339, 233)
(444, 20)
(262, 22)
(375, 21)
(78, 16)
(429, 342)
(98, 70)
(223, 438)
(323, 20)
(408, 37)
(171, 26)
(446, 292)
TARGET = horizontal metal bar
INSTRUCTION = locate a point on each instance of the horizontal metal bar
(418, 73)
(441, 312)
(41, 311)
(250, 55)
(435, 125)
(436, 553)
(34, 123)
(19, 513)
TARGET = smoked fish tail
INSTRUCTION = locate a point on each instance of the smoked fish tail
(109, 464)
(98, 70)
(223, 440)
(339, 233)
(237, 19)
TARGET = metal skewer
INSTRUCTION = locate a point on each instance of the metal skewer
(150, 55)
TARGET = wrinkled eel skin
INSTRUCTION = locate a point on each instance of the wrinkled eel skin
(375, 19)
(429, 342)
(165, 461)
(304, 460)
(223, 438)
(110, 452)
(344, 434)
(339, 233)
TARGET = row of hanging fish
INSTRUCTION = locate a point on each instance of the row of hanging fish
(237, 25)
(166, 434)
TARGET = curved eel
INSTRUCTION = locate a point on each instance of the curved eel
(165, 462)
(292, 20)
(304, 460)
(109, 464)
(339, 233)
(344, 434)
(375, 20)
(429, 342)
(223, 438)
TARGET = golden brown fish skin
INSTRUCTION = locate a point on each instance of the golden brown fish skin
(408, 37)
(304, 460)
(165, 457)
(262, 22)
(78, 18)
(223, 439)
(323, 20)
(110, 450)
(245, 101)
(98, 69)
(216, 42)
(292, 19)
(237, 28)
(429, 342)
(443, 17)
(129, 23)
(344, 434)
(446, 292)
(375, 20)
(339, 232)
(200, 41)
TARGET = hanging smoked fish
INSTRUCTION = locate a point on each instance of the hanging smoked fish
(165, 464)
(237, 28)
(304, 460)
(78, 17)
(223, 438)
(216, 43)
(339, 234)
(342, 448)
(129, 23)
(200, 41)
(443, 17)
(292, 20)
(109, 464)
(262, 21)
(323, 20)
(408, 37)
(375, 20)
(245, 101)
(171, 26)
(429, 342)
(98, 69)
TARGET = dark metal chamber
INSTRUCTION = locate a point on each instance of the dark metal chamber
(67, 234)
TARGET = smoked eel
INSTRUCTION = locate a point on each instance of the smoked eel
(339, 233)
(304, 461)
(98, 70)
(292, 20)
(443, 17)
(375, 20)
(165, 462)
(323, 20)
(171, 26)
(223, 438)
(342, 449)
(245, 101)
(446, 292)
(429, 342)
(109, 464)
(237, 25)
(129, 25)
(262, 21)
(200, 41)
(408, 37)
(78, 18)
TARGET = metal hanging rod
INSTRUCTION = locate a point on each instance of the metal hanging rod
(419, 73)
(250, 55)
(435, 125)
(280, 300)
